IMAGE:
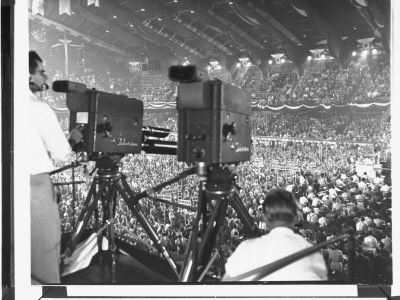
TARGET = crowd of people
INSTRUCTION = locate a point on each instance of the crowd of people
(332, 84)
(320, 168)
(354, 126)
(321, 173)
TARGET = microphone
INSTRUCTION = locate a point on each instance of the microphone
(66, 86)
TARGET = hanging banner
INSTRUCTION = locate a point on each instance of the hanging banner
(65, 7)
(38, 7)
(95, 2)
(135, 67)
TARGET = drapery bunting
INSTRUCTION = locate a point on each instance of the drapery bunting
(38, 7)
(65, 7)
(95, 2)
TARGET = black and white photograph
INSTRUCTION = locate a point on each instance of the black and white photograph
(202, 143)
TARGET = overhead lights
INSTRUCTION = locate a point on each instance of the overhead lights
(283, 60)
(159, 18)
(323, 57)
(230, 2)
(309, 58)
(142, 9)
(208, 68)
(238, 65)
(374, 51)
(270, 62)
(354, 53)
(114, 16)
(175, 1)
(191, 11)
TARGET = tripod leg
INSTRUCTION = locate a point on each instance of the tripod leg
(221, 251)
(214, 223)
(248, 223)
(190, 263)
(84, 217)
(86, 205)
(112, 246)
(136, 209)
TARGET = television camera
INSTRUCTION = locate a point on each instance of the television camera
(213, 118)
(112, 124)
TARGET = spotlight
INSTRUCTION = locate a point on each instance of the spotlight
(309, 57)
(270, 62)
(354, 53)
(364, 53)
(374, 51)
(238, 65)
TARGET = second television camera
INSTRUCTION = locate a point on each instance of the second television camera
(214, 123)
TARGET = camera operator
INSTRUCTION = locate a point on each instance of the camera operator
(47, 141)
(280, 211)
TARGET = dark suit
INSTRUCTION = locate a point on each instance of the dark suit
(362, 268)
(379, 269)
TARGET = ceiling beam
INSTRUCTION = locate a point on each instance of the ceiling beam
(271, 20)
(76, 33)
(236, 29)
(122, 34)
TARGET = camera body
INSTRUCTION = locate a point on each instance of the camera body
(111, 123)
(213, 123)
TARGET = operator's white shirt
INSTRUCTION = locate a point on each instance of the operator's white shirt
(277, 244)
(46, 138)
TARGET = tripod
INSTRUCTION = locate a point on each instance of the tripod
(217, 182)
(111, 182)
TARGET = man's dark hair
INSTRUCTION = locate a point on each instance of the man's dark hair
(34, 58)
(280, 205)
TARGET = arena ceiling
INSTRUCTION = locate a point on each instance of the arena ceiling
(224, 30)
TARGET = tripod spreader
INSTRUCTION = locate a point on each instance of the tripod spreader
(135, 199)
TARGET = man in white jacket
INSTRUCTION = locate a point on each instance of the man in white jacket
(46, 141)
